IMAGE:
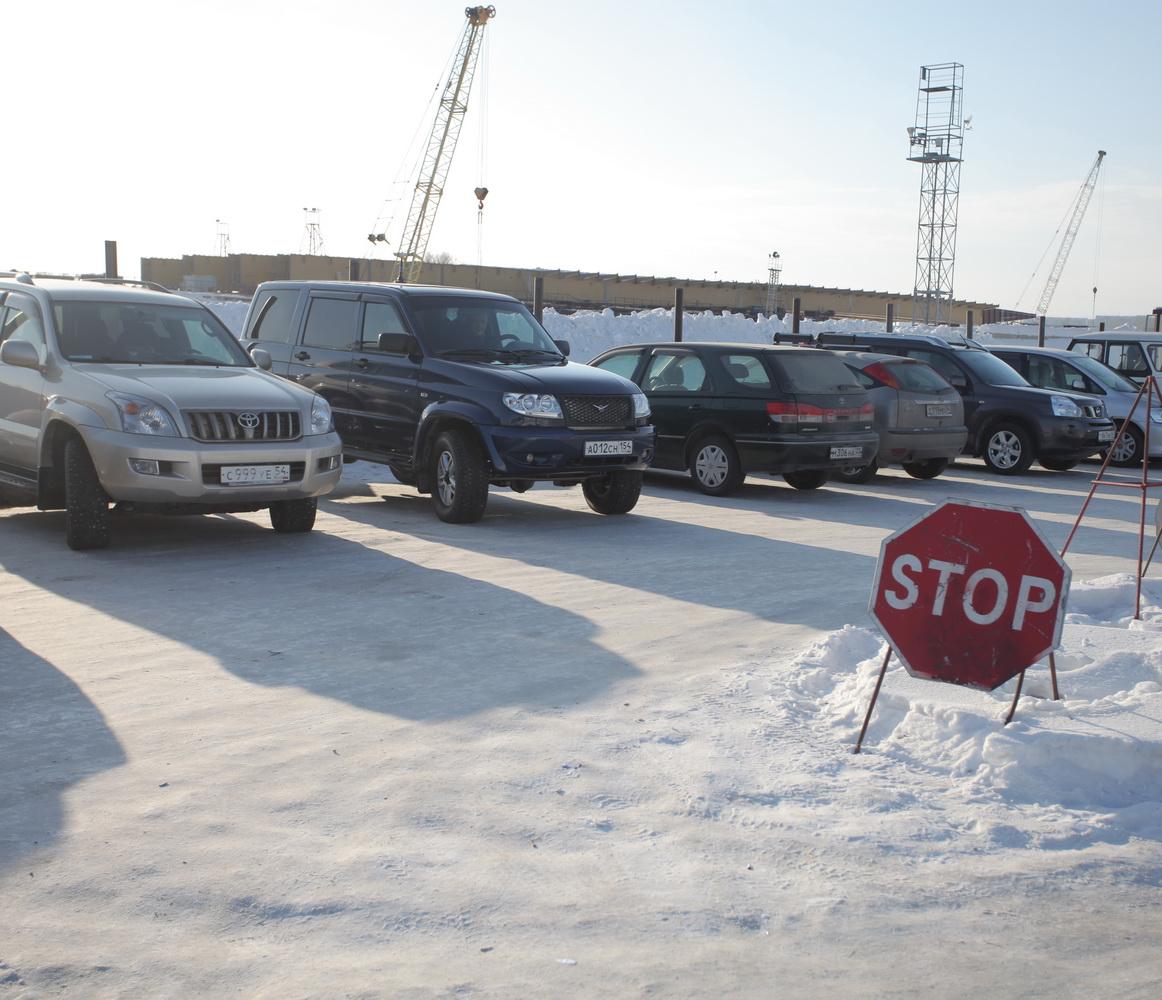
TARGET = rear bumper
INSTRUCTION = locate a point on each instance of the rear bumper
(559, 453)
(189, 470)
(784, 453)
(899, 445)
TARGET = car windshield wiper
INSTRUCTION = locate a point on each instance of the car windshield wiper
(473, 353)
(539, 352)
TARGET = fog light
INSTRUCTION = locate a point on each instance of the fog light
(145, 466)
(328, 464)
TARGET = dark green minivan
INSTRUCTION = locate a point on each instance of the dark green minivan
(723, 410)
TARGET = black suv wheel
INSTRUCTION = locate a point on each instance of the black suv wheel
(1008, 449)
(614, 493)
(459, 478)
(86, 505)
(715, 466)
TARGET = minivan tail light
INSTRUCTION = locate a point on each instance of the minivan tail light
(807, 413)
(881, 372)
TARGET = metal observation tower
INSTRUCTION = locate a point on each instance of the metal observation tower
(935, 141)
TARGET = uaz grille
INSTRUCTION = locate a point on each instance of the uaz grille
(598, 411)
(243, 425)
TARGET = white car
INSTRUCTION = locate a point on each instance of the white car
(112, 393)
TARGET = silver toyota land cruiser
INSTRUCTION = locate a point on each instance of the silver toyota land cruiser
(140, 397)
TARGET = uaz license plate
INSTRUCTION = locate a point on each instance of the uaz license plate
(608, 448)
(847, 453)
(254, 475)
(1104, 436)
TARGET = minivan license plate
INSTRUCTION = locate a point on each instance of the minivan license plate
(847, 453)
(938, 410)
(254, 475)
(608, 448)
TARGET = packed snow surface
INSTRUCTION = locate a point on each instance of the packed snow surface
(559, 754)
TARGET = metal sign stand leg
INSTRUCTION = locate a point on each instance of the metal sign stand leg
(875, 695)
(1021, 681)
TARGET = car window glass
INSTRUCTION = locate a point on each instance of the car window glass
(21, 320)
(461, 324)
(331, 324)
(380, 317)
(1129, 359)
(1053, 373)
(813, 371)
(746, 370)
(948, 368)
(274, 312)
(1103, 375)
(917, 377)
(621, 364)
(1092, 349)
(865, 381)
(1155, 352)
(676, 373)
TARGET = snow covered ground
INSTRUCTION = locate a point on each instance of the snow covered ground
(556, 754)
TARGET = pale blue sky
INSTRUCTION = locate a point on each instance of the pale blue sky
(680, 138)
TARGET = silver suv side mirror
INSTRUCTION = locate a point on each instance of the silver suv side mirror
(260, 358)
(20, 354)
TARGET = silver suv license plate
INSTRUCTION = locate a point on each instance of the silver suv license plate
(608, 448)
(254, 475)
(847, 453)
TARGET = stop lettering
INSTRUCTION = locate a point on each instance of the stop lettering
(970, 594)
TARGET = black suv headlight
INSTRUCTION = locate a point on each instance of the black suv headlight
(641, 405)
(533, 405)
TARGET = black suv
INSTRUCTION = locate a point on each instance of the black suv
(455, 389)
(1009, 421)
(723, 410)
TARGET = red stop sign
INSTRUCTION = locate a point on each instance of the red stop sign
(970, 594)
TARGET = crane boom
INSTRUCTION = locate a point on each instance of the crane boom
(441, 145)
(1079, 208)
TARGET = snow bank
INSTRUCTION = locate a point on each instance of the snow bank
(1062, 775)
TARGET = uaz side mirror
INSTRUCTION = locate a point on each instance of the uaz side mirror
(398, 343)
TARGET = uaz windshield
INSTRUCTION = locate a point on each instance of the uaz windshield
(145, 334)
(487, 331)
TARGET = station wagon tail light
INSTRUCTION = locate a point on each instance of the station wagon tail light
(807, 413)
(882, 373)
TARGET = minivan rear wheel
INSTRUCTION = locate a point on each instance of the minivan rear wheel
(806, 479)
(1128, 453)
(715, 466)
(927, 468)
(459, 478)
(613, 493)
(86, 504)
(857, 474)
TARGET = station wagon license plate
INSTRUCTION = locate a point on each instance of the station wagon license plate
(608, 448)
(847, 453)
(254, 475)
(1105, 436)
(938, 410)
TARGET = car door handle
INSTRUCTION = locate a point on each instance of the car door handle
(363, 364)
(302, 356)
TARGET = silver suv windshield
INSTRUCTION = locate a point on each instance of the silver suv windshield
(135, 333)
(489, 331)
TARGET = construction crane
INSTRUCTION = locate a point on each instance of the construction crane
(1081, 203)
(441, 145)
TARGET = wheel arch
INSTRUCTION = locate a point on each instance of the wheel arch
(993, 420)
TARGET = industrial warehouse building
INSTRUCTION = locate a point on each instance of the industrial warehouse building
(565, 291)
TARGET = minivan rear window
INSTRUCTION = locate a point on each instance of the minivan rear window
(813, 372)
(916, 376)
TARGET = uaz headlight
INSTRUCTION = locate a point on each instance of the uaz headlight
(533, 405)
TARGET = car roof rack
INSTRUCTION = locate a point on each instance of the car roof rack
(27, 277)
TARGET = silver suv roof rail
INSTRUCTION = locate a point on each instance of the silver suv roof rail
(25, 278)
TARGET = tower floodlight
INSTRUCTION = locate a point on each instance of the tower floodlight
(774, 269)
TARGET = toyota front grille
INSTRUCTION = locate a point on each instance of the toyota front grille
(243, 425)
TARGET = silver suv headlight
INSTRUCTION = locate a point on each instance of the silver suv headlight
(641, 405)
(532, 405)
(1063, 406)
(321, 422)
(143, 416)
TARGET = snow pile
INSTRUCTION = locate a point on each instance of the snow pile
(1062, 774)
(231, 311)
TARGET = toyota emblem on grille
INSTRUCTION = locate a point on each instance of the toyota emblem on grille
(248, 421)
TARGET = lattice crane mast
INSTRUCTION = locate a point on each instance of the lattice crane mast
(1079, 207)
(441, 145)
